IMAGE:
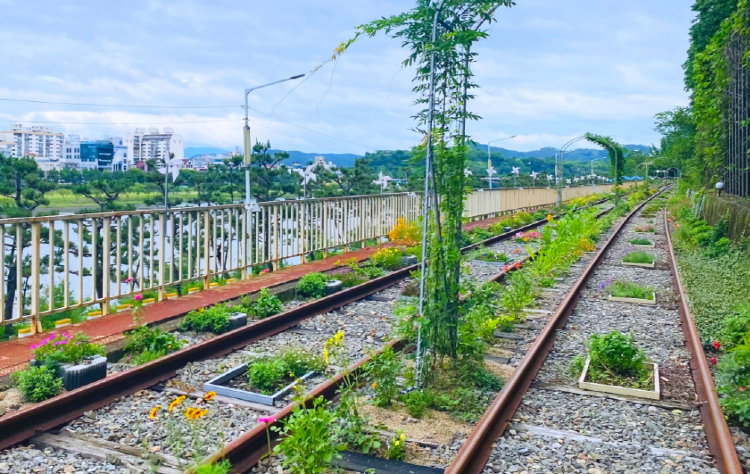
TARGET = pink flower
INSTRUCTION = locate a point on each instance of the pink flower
(742, 389)
(34, 346)
(229, 305)
(717, 345)
(264, 271)
(128, 280)
(138, 297)
(266, 419)
(713, 360)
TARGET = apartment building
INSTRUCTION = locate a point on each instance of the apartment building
(40, 143)
(150, 144)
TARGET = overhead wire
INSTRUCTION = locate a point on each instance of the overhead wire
(123, 105)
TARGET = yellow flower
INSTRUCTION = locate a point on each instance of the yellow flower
(403, 437)
(549, 217)
(374, 384)
(525, 239)
(176, 402)
(210, 396)
(395, 442)
(190, 413)
(325, 353)
(339, 336)
(154, 411)
(200, 310)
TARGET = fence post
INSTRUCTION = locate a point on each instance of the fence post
(206, 249)
(36, 264)
(107, 222)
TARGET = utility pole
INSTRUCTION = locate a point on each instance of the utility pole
(489, 155)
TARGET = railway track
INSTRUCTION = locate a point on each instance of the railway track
(81, 405)
(541, 421)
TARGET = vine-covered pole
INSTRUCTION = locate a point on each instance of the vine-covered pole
(425, 205)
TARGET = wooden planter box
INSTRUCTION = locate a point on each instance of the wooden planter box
(24, 332)
(216, 384)
(632, 392)
(653, 232)
(644, 265)
(639, 246)
(632, 300)
(149, 301)
(193, 290)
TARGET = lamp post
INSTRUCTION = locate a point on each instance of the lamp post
(250, 207)
(246, 135)
(489, 155)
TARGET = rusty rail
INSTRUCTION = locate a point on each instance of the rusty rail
(717, 432)
(475, 452)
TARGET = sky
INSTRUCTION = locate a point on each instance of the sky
(550, 70)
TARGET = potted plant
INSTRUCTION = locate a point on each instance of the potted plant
(266, 379)
(615, 364)
(629, 292)
(74, 359)
(639, 258)
(646, 229)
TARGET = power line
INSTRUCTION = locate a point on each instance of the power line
(121, 123)
(124, 105)
(311, 130)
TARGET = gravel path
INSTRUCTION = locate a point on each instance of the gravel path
(557, 431)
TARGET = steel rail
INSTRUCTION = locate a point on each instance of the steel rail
(719, 438)
(23, 424)
(476, 450)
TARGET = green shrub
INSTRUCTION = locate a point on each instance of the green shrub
(388, 258)
(415, 250)
(641, 242)
(62, 349)
(312, 285)
(214, 319)
(144, 344)
(372, 271)
(638, 257)
(219, 468)
(37, 384)
(383, 371)
(266, 305)
(350, 278)
(269, 374)
(719, 248)
(736, 327)
(615, 360)
(479, 234)
(732, 377)
(417, 402)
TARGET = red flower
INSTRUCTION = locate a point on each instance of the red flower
(742, 389)
(669, 220)
(517, 265)
(505, 268)
(713, 360)
(717, 346)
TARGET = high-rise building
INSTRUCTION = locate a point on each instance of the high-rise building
(40, 143)
(97, 155)
(144, 145)
(72, 152)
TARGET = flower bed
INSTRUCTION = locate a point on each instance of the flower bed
(639, 258)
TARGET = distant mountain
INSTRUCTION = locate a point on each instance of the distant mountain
(192, 151)
(581, 154)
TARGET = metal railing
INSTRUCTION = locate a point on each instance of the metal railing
(68, 263)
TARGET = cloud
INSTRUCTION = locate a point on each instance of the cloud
(549, 70)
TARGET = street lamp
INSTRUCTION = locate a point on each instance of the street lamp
(246, 133)
(489, 155)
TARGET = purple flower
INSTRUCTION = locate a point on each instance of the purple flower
(34, 346)
(605, 284)
(229, 305)
(78, 343)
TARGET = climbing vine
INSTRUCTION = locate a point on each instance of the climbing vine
(441, 120)
(617, 155)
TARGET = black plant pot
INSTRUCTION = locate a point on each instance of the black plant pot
(77, 375)
(237, 320)
(333, 286)
(407, 260)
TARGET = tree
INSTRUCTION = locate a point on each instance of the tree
(345, 181)
(23, 182)
(232, 176)
(270, 179)
(104, 192)
(710, 15)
